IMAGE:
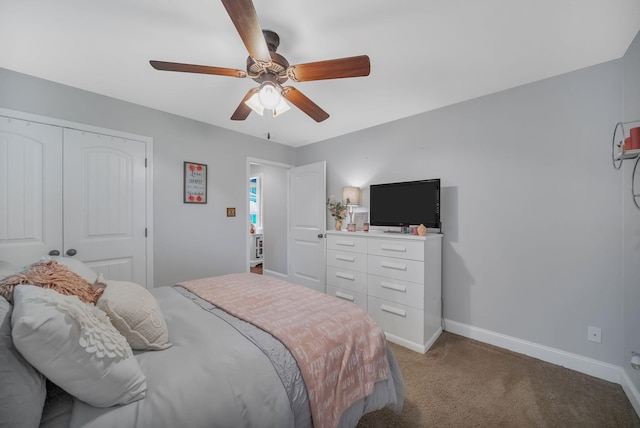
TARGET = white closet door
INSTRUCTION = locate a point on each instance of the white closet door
(104, 204)
(30, 190)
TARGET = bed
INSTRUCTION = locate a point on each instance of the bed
(212, 368)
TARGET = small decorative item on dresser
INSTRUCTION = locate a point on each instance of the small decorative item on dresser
(422, 230)
(337, 210)
(351, 227)
(365, 227)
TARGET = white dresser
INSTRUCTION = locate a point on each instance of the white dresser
(396, 278)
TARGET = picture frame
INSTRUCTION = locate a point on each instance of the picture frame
(195, 183)
(360, 218)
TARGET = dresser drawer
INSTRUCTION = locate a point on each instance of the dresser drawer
(404, 249)
(347, 278)
(399, 320)
(346, 242)
(348, 295)
(404, 270)
(347, 260)
(393, 290)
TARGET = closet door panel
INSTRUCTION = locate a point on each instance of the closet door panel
(104, 210)
(30, 190)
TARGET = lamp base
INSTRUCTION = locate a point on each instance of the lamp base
(351, 227)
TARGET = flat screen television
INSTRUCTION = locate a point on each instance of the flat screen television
(405, 204)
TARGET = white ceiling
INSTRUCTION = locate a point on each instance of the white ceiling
(424, 54)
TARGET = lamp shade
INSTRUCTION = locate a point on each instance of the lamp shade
(351, 193)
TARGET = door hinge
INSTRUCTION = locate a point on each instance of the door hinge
(145, 162)
(145, 232)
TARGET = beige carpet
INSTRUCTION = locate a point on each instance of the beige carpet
(464, 383)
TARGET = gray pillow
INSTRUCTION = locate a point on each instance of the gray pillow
(23, 388)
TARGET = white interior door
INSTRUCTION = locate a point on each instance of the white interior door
(104, 204)
(307, 196)
(30, 190)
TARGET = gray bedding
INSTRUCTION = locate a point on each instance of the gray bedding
(219, 372)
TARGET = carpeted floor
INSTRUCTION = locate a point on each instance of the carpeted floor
(464, 383)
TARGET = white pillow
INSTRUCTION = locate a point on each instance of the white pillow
(136, 314)
(22, 388)
(74, 345)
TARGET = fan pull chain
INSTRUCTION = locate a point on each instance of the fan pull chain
(269, 126)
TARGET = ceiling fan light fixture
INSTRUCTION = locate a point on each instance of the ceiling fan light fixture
(281, 107)
(254, 103)
(269, 95)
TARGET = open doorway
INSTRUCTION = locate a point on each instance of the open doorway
(267, 207)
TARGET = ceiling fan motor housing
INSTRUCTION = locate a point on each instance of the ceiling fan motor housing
(278, 66)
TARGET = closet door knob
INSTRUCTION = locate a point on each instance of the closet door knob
(320, 235)
(71, 252)
(54, 253)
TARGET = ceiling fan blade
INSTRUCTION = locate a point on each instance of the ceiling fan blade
(200, 69)
(355, 66)
(243, 110)
(244, 17)
(301, 101)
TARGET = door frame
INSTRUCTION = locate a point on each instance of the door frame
(45, 120)
(287, 167)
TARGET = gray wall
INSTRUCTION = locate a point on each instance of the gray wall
(190, 241)
(532, 207)
(631, 236)
(535, 217)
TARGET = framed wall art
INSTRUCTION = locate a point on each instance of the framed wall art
(195, 183)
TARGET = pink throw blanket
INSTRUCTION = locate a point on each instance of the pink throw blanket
(340, 350)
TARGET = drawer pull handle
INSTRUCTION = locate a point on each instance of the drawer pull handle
(345, 296)
(396, 266)
(346, 258)
(346, 243)
(395, 248)
(345, 276)
(394, 287)
(393, 310)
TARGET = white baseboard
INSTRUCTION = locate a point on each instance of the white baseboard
(412, 345)
(630, 389)
(267, 272)
(571, 361)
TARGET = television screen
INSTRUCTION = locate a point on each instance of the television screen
(405, 204)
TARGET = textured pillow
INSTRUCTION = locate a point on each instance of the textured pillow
(75, 346)
(76, 266)
(136, 314)
(7, 269)
(22, 387)
(51, 274)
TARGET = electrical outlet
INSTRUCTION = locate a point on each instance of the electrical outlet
(594, 334)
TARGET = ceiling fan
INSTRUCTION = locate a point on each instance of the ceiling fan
(270, 69)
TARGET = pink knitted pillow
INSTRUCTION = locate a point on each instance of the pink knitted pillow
(53, 275)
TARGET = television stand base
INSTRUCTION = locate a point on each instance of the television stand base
(405, 230)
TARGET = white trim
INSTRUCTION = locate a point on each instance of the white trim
(630, 390)
(413, 345)
(252, 160)
(275, 274)
(575, 362)
(45, 120)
